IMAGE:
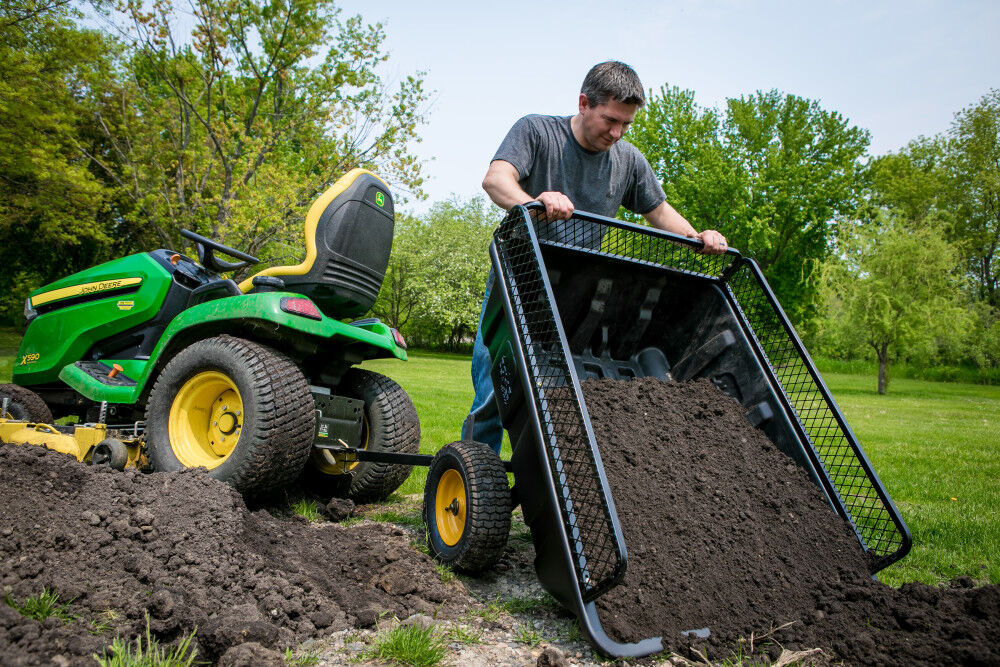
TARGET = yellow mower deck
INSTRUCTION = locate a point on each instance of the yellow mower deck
(79, 444)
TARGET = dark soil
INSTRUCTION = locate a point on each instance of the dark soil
(184, 549)
(725, 532)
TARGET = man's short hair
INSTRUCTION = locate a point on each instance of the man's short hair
(613, 80)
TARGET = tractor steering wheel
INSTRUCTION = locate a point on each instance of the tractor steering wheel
(206, 254)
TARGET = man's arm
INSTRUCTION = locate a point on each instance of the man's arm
(667, 218)
(501, 185)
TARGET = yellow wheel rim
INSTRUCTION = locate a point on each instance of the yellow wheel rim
(449, 507)
(206, 419)
(331, 462)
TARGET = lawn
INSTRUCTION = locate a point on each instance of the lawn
(932, 443)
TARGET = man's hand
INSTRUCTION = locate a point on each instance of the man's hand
(557, 205)
(715, 243)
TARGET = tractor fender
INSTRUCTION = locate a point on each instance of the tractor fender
(241, 315)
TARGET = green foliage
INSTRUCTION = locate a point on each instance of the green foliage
(227, 117)
(463, 634)
(892, 290)
(437, 272)
(773, 173)
(42, 606)
(974, 162)
(148, 654)
(525, 634)
(235, 129)
(410, 645)
(308, 509)
(445, 572)
(51, 202)
(301, 658)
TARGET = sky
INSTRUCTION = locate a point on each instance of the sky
(899, 69)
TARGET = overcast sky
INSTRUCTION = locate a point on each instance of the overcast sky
(898, 69)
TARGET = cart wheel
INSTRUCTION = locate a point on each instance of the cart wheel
(390, 424)
(467, 506)
(110, 452)
(24, 404)
(242, 410)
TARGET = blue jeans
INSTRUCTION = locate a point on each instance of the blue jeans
(487, 427)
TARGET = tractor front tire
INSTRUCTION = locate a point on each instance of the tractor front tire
(240, 409)
(390, 425)
(24, 405)
(467, 506)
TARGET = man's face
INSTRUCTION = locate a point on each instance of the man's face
(604, 124)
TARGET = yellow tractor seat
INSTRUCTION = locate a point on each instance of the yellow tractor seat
(348, 240)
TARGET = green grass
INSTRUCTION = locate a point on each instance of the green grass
(393, 516)
(440, 386)
(308, 509)
(149, 654)
(42, 606)
(933, 446)
(301, 658)
(525, 634)
(409, 645)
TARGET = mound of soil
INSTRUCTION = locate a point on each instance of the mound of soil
(725, 532)
(184, 549)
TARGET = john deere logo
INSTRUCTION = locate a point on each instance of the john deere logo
(126, 305)
(380, 199)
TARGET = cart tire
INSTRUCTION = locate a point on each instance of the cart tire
(467, 506)
(110, 452)
(24, 405)
(242, 410)
(390, 425)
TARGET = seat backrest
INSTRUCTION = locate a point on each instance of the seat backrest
(348, 233)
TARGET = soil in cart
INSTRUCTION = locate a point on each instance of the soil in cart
(725, 532)
(185, 550)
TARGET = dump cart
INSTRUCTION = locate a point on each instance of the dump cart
(593, 297)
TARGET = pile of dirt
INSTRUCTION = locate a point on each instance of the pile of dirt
(184, 550)
(725, 532)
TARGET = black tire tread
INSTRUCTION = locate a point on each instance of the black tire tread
(35, 409)
(371, 482)
(488, 509)
(279, 446)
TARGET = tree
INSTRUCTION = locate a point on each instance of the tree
(974, 158)
(233, 130)
(803, 166)
(437, 272)
(892, 288)
(683, 144)
(914, 182)
(773, 173)
(49, 198)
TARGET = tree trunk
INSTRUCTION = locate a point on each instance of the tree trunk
(883, 368)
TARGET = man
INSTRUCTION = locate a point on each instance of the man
(569, 163)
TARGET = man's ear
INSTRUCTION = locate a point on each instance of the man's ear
(584, 103)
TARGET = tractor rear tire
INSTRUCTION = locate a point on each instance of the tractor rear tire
(467, 506)
(24, 404)
(240, 409)
(390, 425)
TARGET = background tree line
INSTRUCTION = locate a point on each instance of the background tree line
(116, 137)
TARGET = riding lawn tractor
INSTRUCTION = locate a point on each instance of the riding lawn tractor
(255, 381)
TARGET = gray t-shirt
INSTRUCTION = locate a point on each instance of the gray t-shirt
(548, 158)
